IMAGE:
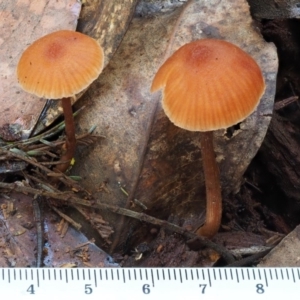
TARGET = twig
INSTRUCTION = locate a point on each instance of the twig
(272, 233)
(249, 251)
(22, 156)
(67, 196)
(46, 186)
(39, 231)
(253, 185)
(50, 163)
(92, 241)
(283, 103)
(66, 218)
(85, 139)
(99, 224)
(250, 260)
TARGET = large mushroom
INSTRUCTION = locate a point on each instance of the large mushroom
(59, 66)
(208, 85)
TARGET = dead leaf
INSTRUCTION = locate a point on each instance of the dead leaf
(143, 153)
(286, 253)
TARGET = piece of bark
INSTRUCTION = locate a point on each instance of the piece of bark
(280, 152)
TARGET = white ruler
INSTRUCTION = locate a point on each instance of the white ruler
(150, 283)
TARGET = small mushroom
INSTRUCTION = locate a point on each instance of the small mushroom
(208, 85)
(59, 66)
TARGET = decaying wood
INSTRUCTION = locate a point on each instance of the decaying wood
(275, 9)
(281, 150)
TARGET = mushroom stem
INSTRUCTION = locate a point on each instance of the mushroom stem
(213, 187)
(70, 145)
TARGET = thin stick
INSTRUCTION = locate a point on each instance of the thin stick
(67, 218)
(283, 103)
(22, 156)
(250, 260)
(213, 188)
(39, 231)
(83, 245)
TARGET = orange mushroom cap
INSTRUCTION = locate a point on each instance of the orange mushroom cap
(208, 85)
(60, 64)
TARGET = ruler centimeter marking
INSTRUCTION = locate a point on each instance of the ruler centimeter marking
(257, 283)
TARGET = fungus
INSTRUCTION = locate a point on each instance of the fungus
(59, 66)
(208, 85)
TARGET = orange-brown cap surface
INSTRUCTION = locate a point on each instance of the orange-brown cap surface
(209, 84)
(60, 64)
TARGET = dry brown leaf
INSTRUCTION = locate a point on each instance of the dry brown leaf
(285, 254)
(155, 162)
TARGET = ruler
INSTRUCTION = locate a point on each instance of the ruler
(150, 283)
